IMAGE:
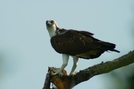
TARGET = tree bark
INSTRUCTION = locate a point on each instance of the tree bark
(68, 82)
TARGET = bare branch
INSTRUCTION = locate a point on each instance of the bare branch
(104, 67)
(67, 82)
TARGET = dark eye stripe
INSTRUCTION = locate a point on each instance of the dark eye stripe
(52, 21)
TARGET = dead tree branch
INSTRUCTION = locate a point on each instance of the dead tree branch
(68, 82)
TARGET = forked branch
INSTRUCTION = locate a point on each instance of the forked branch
(68, 82)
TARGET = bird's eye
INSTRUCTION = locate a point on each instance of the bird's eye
(52, 21)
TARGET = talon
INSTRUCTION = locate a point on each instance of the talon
(74, 73)
(58, 72)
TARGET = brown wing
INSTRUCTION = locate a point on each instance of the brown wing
(74, 42)
(81, 44)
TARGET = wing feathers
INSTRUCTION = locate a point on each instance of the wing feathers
(79, 42)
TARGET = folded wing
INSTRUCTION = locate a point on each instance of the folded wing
(81, 44)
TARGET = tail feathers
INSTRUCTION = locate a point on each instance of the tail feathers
(115, 50)
(109, 46)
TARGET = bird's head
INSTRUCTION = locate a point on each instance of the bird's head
(51, 24)
(51, 27)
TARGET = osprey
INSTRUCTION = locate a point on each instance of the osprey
(78, 44)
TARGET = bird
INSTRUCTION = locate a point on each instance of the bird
(75, 43)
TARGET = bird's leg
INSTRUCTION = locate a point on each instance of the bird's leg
(75, 63)
(65, 58)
